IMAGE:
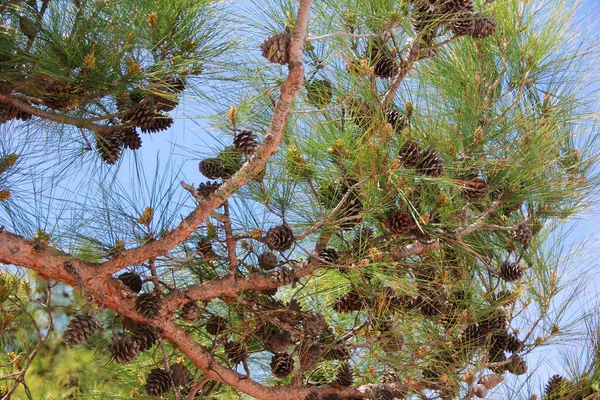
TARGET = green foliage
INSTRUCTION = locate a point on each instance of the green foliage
(409, 254)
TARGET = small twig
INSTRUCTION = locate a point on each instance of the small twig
(231, 242)
(197, 387)
(192, 190)
(62, 118)
(347, 35)
(155, 279)
(333, 212)
(267, 204)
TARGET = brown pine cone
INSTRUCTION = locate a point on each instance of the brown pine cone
(280, 238)
(475, 189)
(483, 26)
(275, 47)
(399, 222)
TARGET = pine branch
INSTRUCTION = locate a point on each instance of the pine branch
(254, 166)
(61, 118)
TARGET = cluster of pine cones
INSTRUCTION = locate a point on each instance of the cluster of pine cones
(457, 15)
(228, 161)
(146, 111)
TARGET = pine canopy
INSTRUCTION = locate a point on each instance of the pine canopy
(288, 199)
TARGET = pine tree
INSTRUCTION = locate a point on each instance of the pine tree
(353, 201)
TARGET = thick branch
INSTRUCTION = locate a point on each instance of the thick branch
(48, 263)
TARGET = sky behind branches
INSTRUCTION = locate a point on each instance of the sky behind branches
(190, 140)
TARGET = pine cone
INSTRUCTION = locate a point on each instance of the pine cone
(180, 374)
(463, 22)
(191, 312)
(236, 352)
(499, 340)
(283, 276)
(319, 92)
(132, 280)
(309, 358)
(313, 325)
(514, 345)
(208, 188)
(523, 234)
(474, 336)
(148, 305)
(557, 388)
(482, 26)
(475, 189)
(176, 85)
(453, 6)
(80, 329)
(351, 301)
(389, 376)
(386, 67)
(145, 335)
(267, 260)
(205, 250)
(424, 19)
(511, 272)
(159, 122)
(497, 356)
(432, 308)
(109, 147)
(410, 154)
(430, 164)
(212, 168)
(344, 375)
(216, 325)
(397, 120)
(165, 103)
(275, 47)
(517, 365)
(480, 390)
(329, 255)
(493, 322)
(131, 139)
(276, 340)
(245, 142)
(58, 94)
(280, 238)
(232, 161)
(282, 365)
(399, 222)
(380, 393)
(124, 350)
(503, 298)
(167, 100)
(491, 381)
(143, 116)
(159, 382)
